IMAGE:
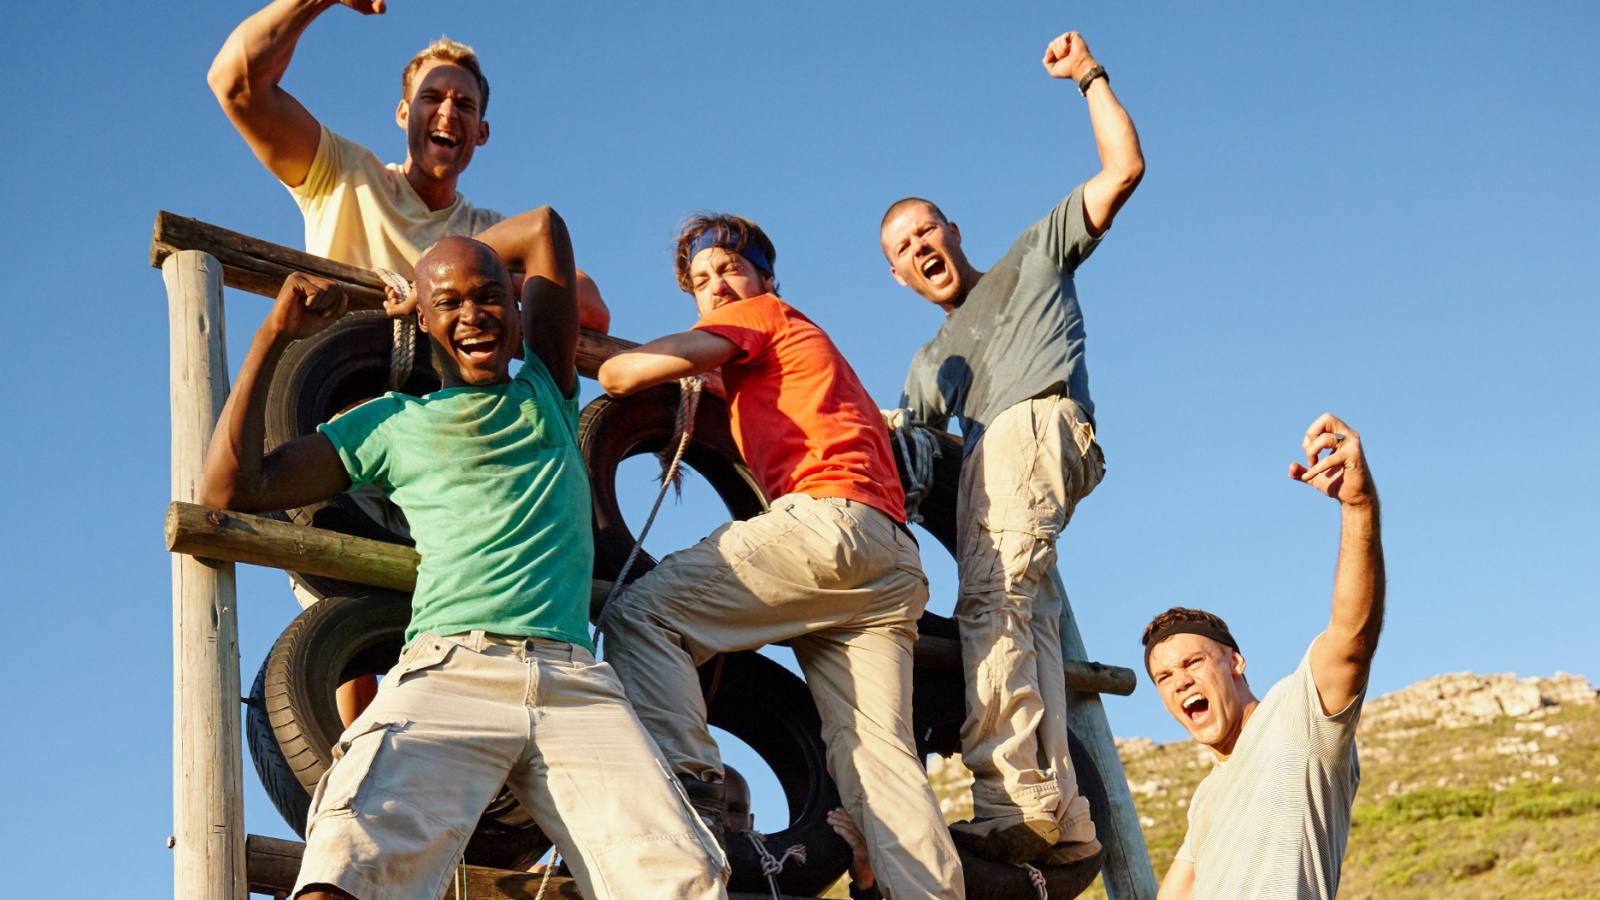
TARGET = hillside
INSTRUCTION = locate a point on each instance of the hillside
(1473, 787)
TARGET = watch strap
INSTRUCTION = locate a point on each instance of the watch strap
(1090, 76)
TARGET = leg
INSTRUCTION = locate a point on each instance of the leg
(749, 584)
(1019, 487)
(414, 773)
(860, 674)
(594, 782)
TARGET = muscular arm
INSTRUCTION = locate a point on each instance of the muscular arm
(245, 76)
(237, 475)
(665, 359)
(511, 240)
(550, 297)
(1341, 657)
(1179, 883)
(1121, 158)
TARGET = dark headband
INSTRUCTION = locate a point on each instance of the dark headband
(1204, 629)
(721, 237)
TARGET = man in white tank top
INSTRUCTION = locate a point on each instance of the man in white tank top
(1273, 817)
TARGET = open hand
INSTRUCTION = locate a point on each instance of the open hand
(1068, 57)
(1341, 474)
(307, 304)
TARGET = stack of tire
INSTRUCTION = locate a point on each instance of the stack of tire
(353, 630)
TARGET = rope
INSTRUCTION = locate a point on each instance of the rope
(688, 404)
(555, 859)
(772, 866)
(403, 351)
(1039, 884)
(917, 463)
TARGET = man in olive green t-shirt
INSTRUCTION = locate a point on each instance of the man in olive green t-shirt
(497, 684)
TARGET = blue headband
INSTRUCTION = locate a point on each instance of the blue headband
(720, 237)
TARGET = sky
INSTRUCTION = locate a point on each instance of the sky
(1380, 210)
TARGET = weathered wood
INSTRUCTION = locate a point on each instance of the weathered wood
(274, 863)
(936, 652)
(237, 537)
(260, 267)
(1126, 870)
(207, 791)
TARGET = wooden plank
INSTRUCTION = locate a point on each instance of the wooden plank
(274, 863)
(1125, 869)
(260, 267)
(237, 537)
(933, 652)
(207, 790)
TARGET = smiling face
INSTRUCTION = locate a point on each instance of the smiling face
(443, 120)
(465, 305)
(924, 251)
(718, 277)
(1202, 684)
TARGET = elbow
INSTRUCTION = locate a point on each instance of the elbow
(225, 79)
(219, 493)
(1130, 174)
(617, 378)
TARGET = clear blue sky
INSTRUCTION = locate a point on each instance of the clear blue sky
(1383, 210)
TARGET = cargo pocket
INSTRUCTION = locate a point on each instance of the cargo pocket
(340, 788)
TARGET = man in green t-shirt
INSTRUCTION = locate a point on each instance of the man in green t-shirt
(497, 684)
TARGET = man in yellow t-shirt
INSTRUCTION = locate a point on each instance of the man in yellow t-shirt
(358, 210)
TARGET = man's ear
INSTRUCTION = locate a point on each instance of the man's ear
(1238, 664)
(402, 114)
(896, 273)
(483, 134)
(955, 230)
(769, 284)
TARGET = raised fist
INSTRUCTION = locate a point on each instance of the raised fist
(1068, 57)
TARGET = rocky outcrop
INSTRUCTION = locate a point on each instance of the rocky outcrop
(1452, 701)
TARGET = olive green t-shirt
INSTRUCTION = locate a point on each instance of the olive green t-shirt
(497, 497)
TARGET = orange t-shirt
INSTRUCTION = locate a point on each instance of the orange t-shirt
(800, 415)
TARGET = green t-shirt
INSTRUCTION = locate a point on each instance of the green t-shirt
(497, 497)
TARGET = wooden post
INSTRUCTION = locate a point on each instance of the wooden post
(207, 795)
(1125, 869)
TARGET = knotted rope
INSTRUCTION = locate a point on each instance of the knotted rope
(772, 866)
(683, 432)
(918, 462)
(403, 351)
(1039, 884)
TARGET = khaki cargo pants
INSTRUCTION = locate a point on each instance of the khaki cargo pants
(844, 585)
(1019, 487)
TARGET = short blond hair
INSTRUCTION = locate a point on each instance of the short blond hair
(449, 51)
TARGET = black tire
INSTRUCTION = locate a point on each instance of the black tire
(293, 720)
(320, 377)
(768, 707)
(614, 429)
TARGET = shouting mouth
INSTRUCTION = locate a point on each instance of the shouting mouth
(442, 138)
(1197, 709)
(480, 349)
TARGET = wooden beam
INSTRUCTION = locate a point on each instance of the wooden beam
(207, 790)
(260, 267)
(274, 863)
(237, 537)
(1125, 868)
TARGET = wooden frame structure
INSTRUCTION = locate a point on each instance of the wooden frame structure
(212, 856)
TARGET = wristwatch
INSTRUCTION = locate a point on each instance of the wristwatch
(1088, 79)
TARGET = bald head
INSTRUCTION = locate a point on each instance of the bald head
(462, 253)
(900, 205)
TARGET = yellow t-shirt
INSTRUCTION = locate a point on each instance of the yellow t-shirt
(364, 213)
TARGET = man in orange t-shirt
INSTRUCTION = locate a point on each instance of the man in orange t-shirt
(830, 568)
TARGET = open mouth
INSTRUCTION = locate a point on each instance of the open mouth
(479, 349)
(1197, 709)
(934, 270)
(443, 139)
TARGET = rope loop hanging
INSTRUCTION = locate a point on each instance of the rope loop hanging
(916, 457)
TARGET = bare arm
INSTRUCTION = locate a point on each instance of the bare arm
(1179, 883)
(245, 76)
(665, 359)
(550, 297)
(511, 240)
(1121, 158)
(237, 475)
(1341, 657)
